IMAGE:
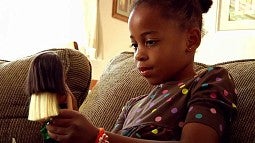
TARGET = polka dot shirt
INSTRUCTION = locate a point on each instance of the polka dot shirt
(208, 98)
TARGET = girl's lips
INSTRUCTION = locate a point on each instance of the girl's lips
(145, 71)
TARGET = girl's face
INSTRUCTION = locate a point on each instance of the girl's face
(162, 50)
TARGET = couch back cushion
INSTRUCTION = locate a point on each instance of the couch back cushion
(14, 102)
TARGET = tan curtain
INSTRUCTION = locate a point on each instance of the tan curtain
(91, 27)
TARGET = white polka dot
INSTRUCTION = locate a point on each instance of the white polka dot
(151, 104)
(213, 110)
(236, 92)
(181, 83)
(158, 119)
(218, 79)
(213, 95)
(174, 110)
(164, 91)
(139, 110)
(138, 121)
(169, 99)
(190, 108)
(225, 93)
(221, 128)
(181, 124)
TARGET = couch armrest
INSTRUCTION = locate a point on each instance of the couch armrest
(14, 102)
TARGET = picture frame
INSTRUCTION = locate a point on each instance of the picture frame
(233, 15)
(121, 9)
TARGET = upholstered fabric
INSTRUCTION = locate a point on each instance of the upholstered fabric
(14, 102)
(121, 81)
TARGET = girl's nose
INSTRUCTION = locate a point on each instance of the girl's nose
(140, 55)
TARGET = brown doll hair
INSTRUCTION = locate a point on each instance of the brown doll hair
(46, 74)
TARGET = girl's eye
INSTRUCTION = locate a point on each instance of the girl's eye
(150, 43)
(134, 46)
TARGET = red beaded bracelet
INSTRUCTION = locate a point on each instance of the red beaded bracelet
(101, 136)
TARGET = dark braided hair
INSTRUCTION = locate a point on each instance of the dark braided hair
(187, 12)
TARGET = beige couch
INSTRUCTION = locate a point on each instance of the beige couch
(121, 81)
(14, 102)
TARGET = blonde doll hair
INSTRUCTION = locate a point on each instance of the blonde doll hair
(43, 106)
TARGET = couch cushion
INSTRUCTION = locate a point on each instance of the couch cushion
(14, 102)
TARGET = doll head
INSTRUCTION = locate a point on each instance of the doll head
(46, 74)
(46, 85)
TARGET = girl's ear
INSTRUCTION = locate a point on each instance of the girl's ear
(193, 39)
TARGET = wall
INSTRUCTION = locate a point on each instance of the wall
(216, 46)
(220, 46)
(113, 38)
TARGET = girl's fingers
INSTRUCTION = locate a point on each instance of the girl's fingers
(66, 118)
(58, 137)
(69, 124)
(57, 130)
(60, 122)
(66, 113)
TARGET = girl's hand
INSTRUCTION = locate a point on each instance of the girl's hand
(71, 126)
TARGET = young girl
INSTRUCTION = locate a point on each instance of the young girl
(48, 90)
(184, 106)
